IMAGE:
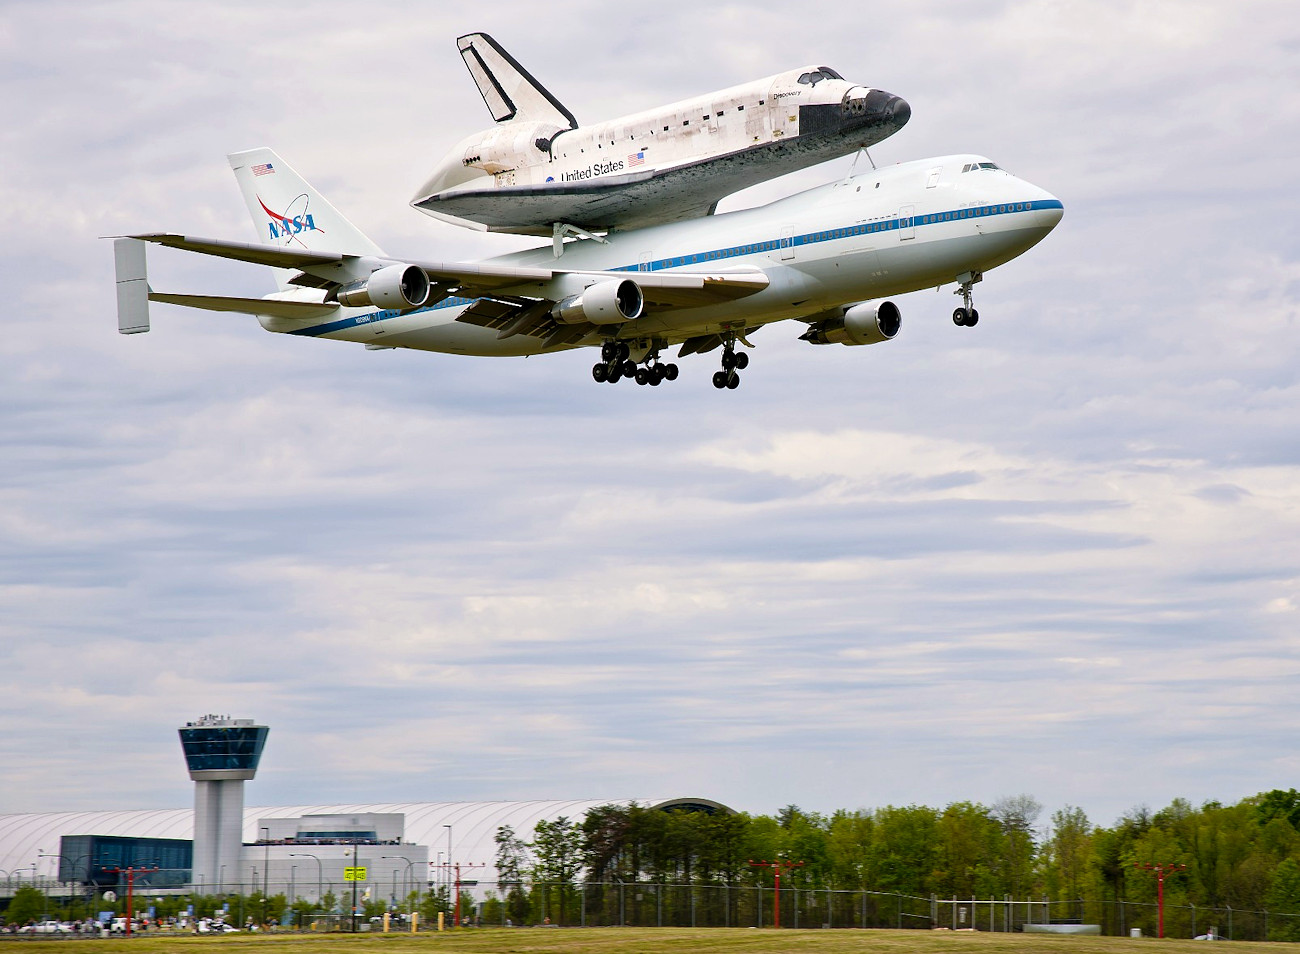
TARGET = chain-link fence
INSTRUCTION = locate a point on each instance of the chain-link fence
(312, 904)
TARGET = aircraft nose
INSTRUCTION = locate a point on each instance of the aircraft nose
(884, 108)
(1050, 212)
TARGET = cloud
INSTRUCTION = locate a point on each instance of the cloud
(1022, 557)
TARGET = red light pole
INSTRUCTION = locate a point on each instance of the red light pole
(458, 884)
(777, 867)
(130, 886)
(1161, 871)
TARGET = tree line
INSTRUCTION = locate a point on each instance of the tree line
(1223, 860)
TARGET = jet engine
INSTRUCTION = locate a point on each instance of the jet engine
(608, 302)
(865, 323)
(401, 287)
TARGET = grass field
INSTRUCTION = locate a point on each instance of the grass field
(650, 941)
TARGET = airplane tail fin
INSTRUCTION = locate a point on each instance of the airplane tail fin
(289, 213)
(508, 89)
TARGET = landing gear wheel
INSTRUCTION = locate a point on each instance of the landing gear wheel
(728, 360)
(629, 369)
(670, 372)
(959, 317)
(972, 319)
(600, 372)
(741, 361)
(655, 379)
(608, 350)
(641, 376)
(624, 350)
(657, 374)
(615, 374)
(720, 379)
(733, 381)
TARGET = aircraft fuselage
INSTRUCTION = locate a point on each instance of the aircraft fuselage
(880, 233)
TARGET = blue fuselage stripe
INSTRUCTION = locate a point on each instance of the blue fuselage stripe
(737, 251)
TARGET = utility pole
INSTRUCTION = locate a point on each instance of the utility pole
(777, 867)
(459, 882)
(355, 849)
(130, 886)
(1161, 870)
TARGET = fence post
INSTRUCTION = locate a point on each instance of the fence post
(1229, 922)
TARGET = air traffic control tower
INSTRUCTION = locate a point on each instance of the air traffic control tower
(221, 753)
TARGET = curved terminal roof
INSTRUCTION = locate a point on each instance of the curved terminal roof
(24, 838)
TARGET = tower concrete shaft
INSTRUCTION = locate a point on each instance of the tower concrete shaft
(221, 754)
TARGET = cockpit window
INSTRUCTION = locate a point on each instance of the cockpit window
(813, 77)
(972, 166)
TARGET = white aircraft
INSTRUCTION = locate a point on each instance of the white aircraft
(825, 257)
(537, 173)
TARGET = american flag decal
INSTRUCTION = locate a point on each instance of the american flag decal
(636, 159)
(265, 169)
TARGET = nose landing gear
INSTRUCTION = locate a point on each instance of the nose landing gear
(966, 316)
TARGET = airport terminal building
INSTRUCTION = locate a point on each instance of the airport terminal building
(302, 851)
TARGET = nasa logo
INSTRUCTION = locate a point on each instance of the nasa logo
(286, 227)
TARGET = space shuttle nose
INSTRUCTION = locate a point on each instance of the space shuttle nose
(900, 111)
(882, 108)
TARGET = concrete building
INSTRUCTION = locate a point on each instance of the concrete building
(462, 831)
(222, 754)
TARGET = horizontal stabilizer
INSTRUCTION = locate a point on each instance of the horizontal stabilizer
(271, 307)
(132, 286)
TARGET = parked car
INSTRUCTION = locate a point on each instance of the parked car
(46, 927)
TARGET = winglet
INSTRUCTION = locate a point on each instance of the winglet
(132, 286)
(508, 89)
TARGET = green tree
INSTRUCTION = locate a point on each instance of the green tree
(558, 848)
(1284, 899)
(512, 856)
(1068, 850)
(27, 904)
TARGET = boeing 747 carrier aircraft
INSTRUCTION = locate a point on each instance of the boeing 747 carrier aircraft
(538, 173)
(828, 259)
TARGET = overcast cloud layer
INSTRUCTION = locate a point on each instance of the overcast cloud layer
(1056, 554)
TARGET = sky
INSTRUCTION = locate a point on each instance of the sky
(1057, 554)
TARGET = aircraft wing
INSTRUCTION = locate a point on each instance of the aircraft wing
(245, 251)
(513, 299)
(526, 315)
(671, 289)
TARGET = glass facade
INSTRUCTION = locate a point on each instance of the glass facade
(209, 748)
(92, 859)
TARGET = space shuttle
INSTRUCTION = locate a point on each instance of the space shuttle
(536, 172)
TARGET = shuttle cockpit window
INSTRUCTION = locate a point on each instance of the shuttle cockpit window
(813, 77)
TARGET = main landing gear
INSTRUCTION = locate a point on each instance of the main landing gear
(966, 315)
(617, 364)
(731, 363)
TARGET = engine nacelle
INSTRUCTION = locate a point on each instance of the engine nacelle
(609, 302)
(400, 287)
(865, 323)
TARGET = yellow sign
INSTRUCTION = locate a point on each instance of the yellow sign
(354, 874)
